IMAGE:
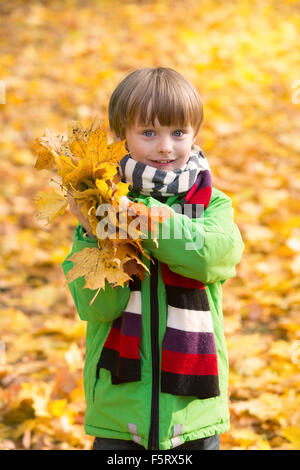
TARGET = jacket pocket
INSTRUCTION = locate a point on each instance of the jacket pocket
(96, 335)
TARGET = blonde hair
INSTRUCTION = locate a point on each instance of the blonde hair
(174, 101)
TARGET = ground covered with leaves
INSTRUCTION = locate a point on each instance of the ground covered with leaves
(61, 61)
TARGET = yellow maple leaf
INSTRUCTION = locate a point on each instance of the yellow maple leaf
(105, 170)
(89, 169)
(105, 264)
(104, 189)
(120, 190)
(50, 205)
(65, 166)
(47, 148)
(96, 265)
(114, 151)
(97, 159)
(84, 142)
(45, 160)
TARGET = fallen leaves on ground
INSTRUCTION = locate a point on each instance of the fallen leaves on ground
(61, 62)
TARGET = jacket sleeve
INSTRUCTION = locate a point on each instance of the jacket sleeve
(109, 303)
(209, 247)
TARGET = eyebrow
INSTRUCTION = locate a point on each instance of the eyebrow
(150, 126)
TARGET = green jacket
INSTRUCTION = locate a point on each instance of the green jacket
(139, 411)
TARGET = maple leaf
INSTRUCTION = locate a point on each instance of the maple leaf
(104, 189)
(51, 141)
(106, 171)
(114, 264)
(120, 190)
(96, 159)
(47, 147)
(95, 266)
(45, 160)
(50, 205)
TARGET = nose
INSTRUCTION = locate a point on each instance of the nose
(165, 145)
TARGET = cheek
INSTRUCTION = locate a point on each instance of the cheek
(138, 150)
(142, 146)
(185, 155)
(185, 149)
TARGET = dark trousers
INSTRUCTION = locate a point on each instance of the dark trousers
(207, 443)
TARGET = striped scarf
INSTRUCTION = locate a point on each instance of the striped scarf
(189, 358)
(151, 181)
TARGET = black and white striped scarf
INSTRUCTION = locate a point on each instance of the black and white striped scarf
(151, 181)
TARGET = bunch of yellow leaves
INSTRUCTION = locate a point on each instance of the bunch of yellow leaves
(88, 170)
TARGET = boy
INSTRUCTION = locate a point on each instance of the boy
(156, 368)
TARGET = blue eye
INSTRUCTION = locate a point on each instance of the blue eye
(178, 130)
(146, 133)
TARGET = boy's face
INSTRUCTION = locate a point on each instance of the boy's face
(167, 148)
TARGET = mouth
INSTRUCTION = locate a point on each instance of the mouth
(161, 163)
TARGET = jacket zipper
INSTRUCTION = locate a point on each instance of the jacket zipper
(154, 425)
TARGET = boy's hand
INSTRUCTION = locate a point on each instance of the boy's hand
(76, 211)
